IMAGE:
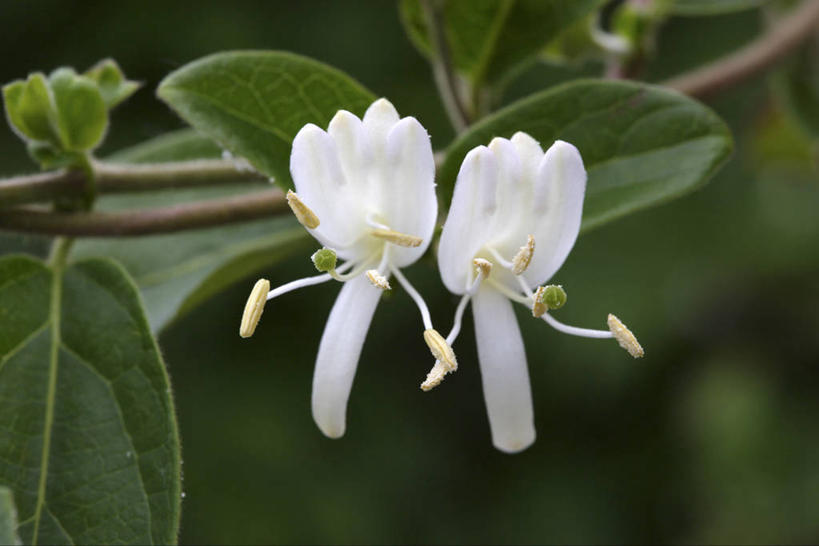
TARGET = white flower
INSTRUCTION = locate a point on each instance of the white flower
(365, 189)
(514, 218)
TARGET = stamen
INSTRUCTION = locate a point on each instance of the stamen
(434, 377)
(440, 349)
(397, 238)
(538, 306)
(574, 330)
(304, 215)
(416, 297)
(624, 337)
(482, 266)
(524, 256)
(306, 281)
(254, 308)
(378, 280)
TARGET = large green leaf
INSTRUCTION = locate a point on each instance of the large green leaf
(8, 518)
(254, 102)
(178, 271)
(89, 443)
(488, 39)
(641, 144)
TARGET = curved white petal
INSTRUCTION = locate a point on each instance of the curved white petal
(408, 201)
(514, 197)
(379, 118)
(560, 186)
(504, 372)
(354, 150)
(529, 151)
(320, 182)
(470, 218)
(339, 351)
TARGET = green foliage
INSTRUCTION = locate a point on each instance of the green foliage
(179, 271)
(63, 117)
(80, 110)
(254, 102)
(797, 86)
(712, 7)
(489, 39)
(642, 145)
(111, 82)
(90, 444)
(8, 518)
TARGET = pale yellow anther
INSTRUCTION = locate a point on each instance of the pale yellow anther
(304, 215)
(434, 377)
(397, 238)
(378, 280)
(482, 266)
(254, 307)
(538, 307)
(441, 350)
(624, 337)
(524, 256)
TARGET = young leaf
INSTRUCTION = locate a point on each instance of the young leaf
(642, 145)
(30, 108)
(254, 102)
(8, 518)
(89, 444)
(81, 113)
(204, 262)
(111, 81)
(489, 39)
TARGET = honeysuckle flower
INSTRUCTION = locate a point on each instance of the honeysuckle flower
(365, 190)
(514, 218)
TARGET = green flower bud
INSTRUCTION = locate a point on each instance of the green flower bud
(324, 259)
(554, 297)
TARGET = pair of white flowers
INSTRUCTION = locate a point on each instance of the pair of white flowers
(365, 190)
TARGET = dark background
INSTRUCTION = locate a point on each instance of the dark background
(712, 437)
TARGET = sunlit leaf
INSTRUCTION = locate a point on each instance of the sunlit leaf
(641, 144)
(89, 443)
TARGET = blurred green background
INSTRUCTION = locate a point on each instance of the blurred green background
(713, 437)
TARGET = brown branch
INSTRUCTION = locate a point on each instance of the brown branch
(147, 221)
(117, 178)
(756, 57)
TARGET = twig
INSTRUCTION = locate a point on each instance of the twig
(115, 178)
(756, 57)
(200, 214)
(442, 68)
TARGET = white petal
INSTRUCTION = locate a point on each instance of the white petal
(470, 218)
(504, 372)
(354, 151)
(320, 183)
(514, 195)
(408, 201)
(379, 118)
(529, 151)
(560, 186)
(339, 351)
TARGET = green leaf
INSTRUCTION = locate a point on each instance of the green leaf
(254, 102)
(712, 7)
(797, 87)
(8, 518)
(489, 39)
(89, 444)
(111, 82)
(179, 271)
(30, 108)
(642, 145)
(81, 113)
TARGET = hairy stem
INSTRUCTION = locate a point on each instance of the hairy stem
(754, 58)
(116, 178)
(442, 68)
(195, 215)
